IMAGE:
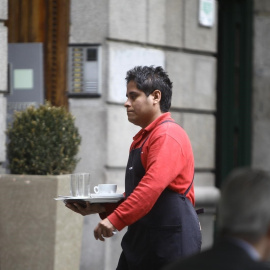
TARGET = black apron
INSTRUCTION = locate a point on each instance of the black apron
(169, 231)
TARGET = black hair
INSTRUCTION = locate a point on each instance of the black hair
(150, 78)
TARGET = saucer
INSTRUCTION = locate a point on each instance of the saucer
(95, 198)
(106, 195)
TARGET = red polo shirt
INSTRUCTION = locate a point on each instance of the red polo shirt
(168, 161)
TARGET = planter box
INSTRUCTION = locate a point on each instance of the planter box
(37, 232)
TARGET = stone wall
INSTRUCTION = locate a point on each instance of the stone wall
(3, 80)
(261, 82)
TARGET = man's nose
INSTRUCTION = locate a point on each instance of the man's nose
(127, 103)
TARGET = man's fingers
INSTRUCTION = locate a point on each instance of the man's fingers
(98, 234)
(77, 208)
(71, 207)
(105, 233)
(85, 208)
(104, 229)
(88, 205)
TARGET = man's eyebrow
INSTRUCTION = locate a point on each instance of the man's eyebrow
(131, 93)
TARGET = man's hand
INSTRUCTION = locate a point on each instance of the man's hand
(86, 209)
(104, 229)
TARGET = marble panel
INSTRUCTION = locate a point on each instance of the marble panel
(120, 136)
(197, 37)
(165, 23)
(92, 251)
(113, 250)
(128, 20)
(3, 127)
(157, 22)
(123, 57)
(3, 9)
(207, 221)
(90, 118)
(204, 179)
(88, 21)
(175, 23)
(116, 176)
(261, 144)
(261, 6)
(3, 57)
(194, 80)
(201, 131)
(261, 58)
(261, 81)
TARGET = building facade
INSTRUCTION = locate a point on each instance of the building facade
(215, 81)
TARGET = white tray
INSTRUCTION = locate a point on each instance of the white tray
(94, 198)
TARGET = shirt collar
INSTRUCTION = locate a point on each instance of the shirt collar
(151, 126)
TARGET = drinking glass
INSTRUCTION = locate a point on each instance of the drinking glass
(74, 185)
(84, 185)
(80, 184)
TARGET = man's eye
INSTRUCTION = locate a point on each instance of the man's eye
(133, 97)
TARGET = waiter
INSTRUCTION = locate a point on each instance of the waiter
(159, 193)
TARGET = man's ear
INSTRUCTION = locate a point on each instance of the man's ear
(156, 96)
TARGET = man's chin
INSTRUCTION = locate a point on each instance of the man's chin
(133, 121)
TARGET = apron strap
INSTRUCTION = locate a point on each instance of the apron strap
(186, 192)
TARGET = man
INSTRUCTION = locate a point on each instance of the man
(159, 193)
(244, 224)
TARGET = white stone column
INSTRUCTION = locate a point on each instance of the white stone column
(3, 80)
(261, 80)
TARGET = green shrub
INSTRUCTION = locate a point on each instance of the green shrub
(43, 141)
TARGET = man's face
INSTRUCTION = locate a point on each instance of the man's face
(140, 108)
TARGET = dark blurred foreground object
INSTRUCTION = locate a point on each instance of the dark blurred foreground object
(243, 226)
(43, 141)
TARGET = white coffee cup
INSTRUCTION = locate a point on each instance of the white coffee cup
(80, 184)
(105, 188)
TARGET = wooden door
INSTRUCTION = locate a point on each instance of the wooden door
(45, 21)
